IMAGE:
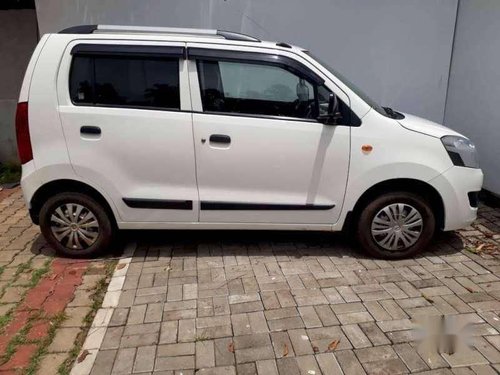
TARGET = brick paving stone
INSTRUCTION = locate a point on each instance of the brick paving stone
(257, 303)
(376, 354)
(288, 366)
(356, 336)
(112, 338)
(136, 314)
(374, 333)
(468, 357)
(349, 363)
(186, 330)
(285, 324)
(175, 363)
(390, 366)
(300, 341)
(396, 325)
(345, 308)
(282, 345)
(51, 362)
(286, 312)
(172, 350)
(144, 359)
(326, 315)
(410, 357)
(310, 317)
(258, 322)
(103, 363)
(205, 354)
(393, 309)
(308, 365)
(267, 367)
(241, 324)
(246, 369)
(75, 316)
(223, 356)
(124, 361)
(61, 339)
(328, 364)
(355, 317)
(321, 338)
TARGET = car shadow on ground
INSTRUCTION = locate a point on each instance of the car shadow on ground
(186, 243)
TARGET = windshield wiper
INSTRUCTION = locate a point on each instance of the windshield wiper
(393, 114)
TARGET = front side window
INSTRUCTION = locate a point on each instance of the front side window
(125, 81)
(259, 89)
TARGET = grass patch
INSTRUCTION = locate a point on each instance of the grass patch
(18, 339)
(39, 273)
(23, 267)
(5, 319)
(10, 172)
(44, 344)
(35, 278)
(97, 298)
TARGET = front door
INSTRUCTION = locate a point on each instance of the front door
(127, 122)
(261, 155)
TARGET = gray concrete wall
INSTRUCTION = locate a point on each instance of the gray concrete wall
(474, 89)
(398, 51)
(18, 38)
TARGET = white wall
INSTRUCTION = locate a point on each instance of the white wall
(396, 50)
(474, 90)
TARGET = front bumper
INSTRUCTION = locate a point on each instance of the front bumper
(454, 186)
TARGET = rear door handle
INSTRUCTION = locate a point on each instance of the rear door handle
(220, 138)
(93, 130)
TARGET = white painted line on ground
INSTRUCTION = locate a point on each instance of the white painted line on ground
(97, 331)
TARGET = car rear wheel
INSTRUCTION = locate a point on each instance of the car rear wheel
(396, 225)
(76, 225)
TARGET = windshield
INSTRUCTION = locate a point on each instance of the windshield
(372, 103)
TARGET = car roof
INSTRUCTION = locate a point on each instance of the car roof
(184, 34)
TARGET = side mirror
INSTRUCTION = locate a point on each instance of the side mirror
(332, 115)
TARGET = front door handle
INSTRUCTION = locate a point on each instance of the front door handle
(220, 138)
(90, 130)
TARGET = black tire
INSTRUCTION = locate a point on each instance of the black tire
(104, 232)
(364, 226)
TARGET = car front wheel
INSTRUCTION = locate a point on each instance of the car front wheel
(396, 225)
(75, 224)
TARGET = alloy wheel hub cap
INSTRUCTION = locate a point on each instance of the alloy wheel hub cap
(74, 226)
(397, 226)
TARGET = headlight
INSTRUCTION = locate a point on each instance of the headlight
(462, 151)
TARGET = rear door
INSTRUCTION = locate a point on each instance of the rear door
(262, 156)
(125, 112)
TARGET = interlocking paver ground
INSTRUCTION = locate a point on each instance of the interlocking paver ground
(37, 328)
(252, 303)
(302, 303)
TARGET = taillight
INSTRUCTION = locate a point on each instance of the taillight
(23, 133)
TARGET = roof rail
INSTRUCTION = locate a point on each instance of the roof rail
(82, 29)
(231, 35)
(90, 29)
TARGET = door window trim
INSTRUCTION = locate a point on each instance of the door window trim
(194, 53)
(128, 50)
(202, 53)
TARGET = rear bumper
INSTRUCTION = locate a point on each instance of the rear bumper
(458, 187)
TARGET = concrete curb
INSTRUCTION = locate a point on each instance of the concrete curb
(103, 316)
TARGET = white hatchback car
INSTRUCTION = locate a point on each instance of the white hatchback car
(157, 128)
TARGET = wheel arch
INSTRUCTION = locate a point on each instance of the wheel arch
(51, 188)
(410, 185)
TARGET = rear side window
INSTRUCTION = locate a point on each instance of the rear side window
(125, 81)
